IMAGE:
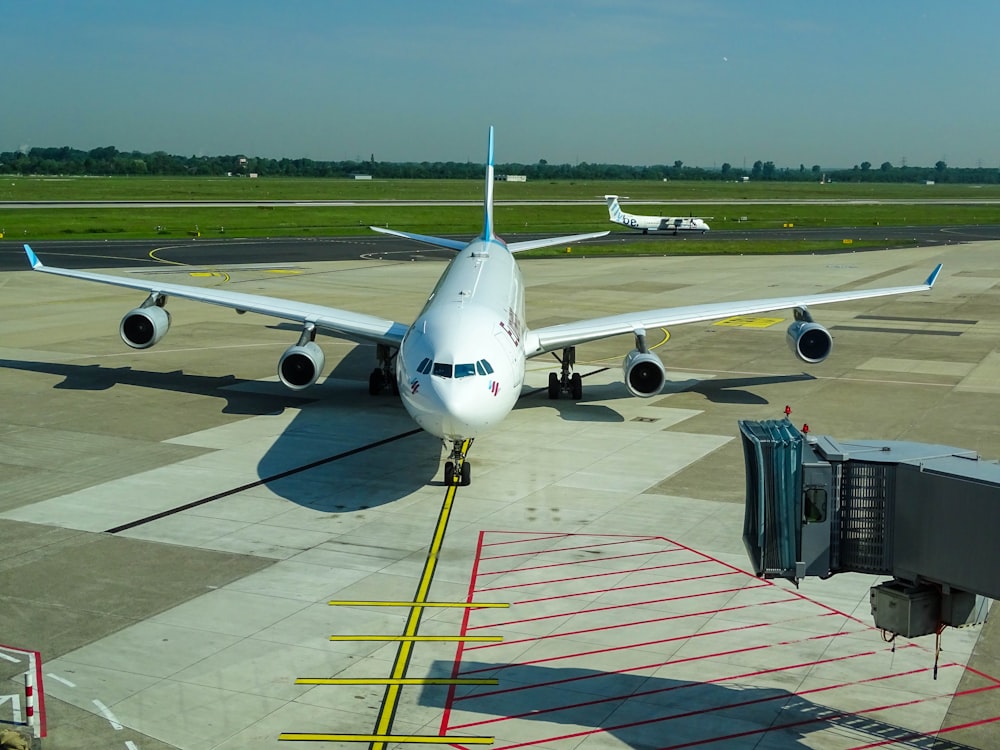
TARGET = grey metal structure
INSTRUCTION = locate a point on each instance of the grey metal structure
(926, 515)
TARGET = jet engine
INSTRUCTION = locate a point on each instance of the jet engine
(144, 326)
(809, 341)
(644, 373)
(301, 365)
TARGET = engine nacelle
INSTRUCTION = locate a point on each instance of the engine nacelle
(144, 326)
(644, 373)
(301, 365)
(809, 341)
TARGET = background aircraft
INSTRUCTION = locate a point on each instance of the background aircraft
(459, 367)
(647, 224)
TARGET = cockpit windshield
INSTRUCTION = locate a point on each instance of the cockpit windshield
(462, 370)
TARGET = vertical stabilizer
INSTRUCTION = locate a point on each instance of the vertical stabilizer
(614, 210)
(488, 207)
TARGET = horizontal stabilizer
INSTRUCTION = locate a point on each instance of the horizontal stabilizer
(516, 247)
(426, 239)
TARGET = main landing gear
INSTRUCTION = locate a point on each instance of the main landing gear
(565, 382)
(457, 469)
(384, 375)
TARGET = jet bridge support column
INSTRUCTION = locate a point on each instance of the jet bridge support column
(925, 515)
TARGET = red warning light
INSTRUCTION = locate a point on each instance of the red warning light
(788, 410)
(805, 428)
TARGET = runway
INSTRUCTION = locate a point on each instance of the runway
(177, 524)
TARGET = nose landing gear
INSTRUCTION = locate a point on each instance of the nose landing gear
(457, 469)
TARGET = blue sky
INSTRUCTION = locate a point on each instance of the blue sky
(613, 81)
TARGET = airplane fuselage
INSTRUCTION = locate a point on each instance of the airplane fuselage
(461, 364)
(662, 223)
(673, 224)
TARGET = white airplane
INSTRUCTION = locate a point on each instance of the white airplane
(647, 224)
(459, 367)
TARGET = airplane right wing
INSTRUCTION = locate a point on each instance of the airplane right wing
(551, 338)
(329, 320)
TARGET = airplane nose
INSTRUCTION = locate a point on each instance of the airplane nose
(462, 416)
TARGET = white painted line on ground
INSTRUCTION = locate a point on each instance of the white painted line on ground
(63, 680)
(15, 706)
(106, 712)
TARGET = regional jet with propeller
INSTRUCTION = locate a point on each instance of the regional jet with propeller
(675, 224)
(459, 367)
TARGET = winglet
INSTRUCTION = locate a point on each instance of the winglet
(32, 258)
(934, 274)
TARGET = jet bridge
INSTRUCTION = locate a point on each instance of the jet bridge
(926, 515)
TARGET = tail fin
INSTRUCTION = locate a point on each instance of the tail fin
(614, 210)
(488, 201)
(487, 233)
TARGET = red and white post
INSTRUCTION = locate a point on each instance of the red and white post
(29, 703)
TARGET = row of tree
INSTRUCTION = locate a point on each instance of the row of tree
(108, 160)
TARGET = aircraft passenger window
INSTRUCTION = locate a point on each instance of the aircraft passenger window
(442, 369)
(814, 505)
(425, 366)
(463, 371)
(489, 370)
(479, 367)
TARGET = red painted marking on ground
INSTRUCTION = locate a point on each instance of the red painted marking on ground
(534, 536)
(552, 704)
(646, 602)
(636, 623)
(624, 696)
(551, 581)
(563, 549)
(741, 704)
(582, 562)
(594, 592)
(456, 667)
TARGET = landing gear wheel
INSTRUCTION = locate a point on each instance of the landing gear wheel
(466, 474)
(553, 386)
(449, 472)
(576, 386)
(376, 382)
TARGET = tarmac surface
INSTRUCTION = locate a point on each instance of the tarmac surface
(235, 251)
(175, 522)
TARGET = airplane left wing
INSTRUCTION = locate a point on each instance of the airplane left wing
(551, 338)
(329, 320)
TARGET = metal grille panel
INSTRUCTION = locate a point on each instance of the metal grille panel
(866, 499)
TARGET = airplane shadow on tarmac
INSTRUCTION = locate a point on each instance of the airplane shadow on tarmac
(343, 450)
(720, 391)
(650, 712)
(102, 378)
(733, 390)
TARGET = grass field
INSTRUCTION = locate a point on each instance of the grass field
(850, 207)
(16, 188)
